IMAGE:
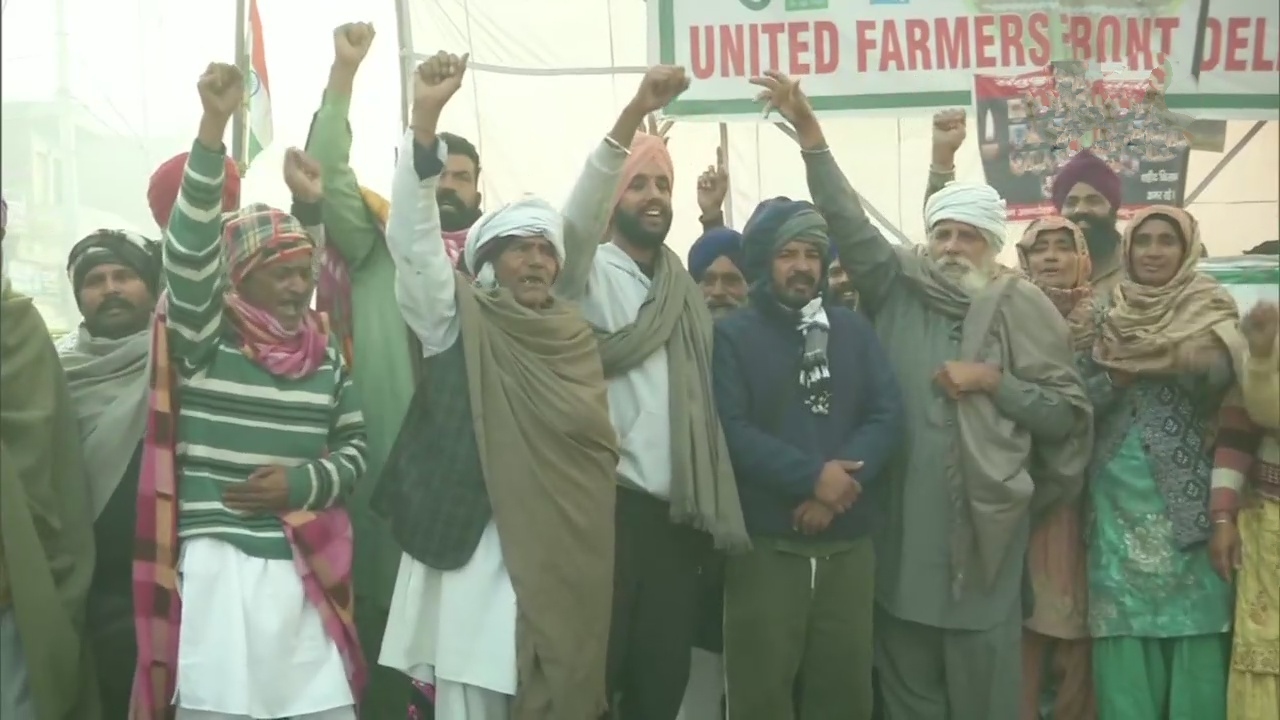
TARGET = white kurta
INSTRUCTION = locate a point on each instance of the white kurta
(251, 644)
(456, 625)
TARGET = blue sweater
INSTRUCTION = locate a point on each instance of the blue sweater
(778, 456)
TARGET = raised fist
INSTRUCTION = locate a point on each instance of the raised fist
(661, 84)
(949, 129)
(351, 43)
(302, 175)
(221, 90)
(436, 80)
(783, 94)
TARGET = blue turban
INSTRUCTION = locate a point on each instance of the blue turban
(714, 243)
(775, 223)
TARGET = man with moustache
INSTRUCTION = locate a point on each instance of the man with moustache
(675, 479)
(715, 262)
(808, 401)
(989, 388)
(839, 287)
(115, 275)
(356, 288)
(1086, 191)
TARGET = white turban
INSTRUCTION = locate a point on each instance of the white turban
(526, 217)
(975, 204)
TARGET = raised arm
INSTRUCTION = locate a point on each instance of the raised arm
(1261, 375)
(193, 270)
(326, 482)
(354, 230)
(589, 210)
(948, 135)
(865, 254)
(425, 279)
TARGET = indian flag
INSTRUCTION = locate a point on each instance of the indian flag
(259, 88)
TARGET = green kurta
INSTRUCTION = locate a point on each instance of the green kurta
(46, 527)
(382, 371)
(1140, 583)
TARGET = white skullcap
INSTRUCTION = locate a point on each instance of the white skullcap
(526, 217)
(975, 204)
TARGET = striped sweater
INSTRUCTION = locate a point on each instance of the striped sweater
(234, 416)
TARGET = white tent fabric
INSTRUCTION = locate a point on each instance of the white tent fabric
(549, 76)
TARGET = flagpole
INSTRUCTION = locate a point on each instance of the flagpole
(239, 147)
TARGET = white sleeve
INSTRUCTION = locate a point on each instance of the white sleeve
(425, 280)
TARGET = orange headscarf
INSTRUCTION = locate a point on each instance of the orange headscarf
(644, 149)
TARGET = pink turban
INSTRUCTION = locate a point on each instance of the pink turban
(644, 148)
(162, 193)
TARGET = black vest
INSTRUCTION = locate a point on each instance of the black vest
(432, 489)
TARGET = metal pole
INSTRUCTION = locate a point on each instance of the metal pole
(1222, 164)
(404, 33)
(728, 195)
(238, 145)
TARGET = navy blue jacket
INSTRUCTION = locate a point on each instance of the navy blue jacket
(778, 456)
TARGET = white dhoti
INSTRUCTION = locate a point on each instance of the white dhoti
(251, 645)
(456, 629)
(704, 696)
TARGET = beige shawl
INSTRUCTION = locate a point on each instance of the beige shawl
(675, 316)
(1003, 475)
(1156, 330)
(540, 408)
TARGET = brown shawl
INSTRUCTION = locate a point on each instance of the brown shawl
(46, 526)
(1002, 475)
(1075, 303)
(675, 316)
(1157, 330)
(549, 453)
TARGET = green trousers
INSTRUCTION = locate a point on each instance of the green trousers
(797, 626)
(1162, 678)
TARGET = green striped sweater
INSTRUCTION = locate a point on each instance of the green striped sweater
(234, 416)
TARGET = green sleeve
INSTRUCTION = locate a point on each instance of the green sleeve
(352, 228)
(193, 270)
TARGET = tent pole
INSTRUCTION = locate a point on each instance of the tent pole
(1222, 164)
(238, 144)
(866, 204)
(728, 195)
(404, 34)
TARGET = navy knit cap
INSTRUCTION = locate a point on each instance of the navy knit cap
(764, 234)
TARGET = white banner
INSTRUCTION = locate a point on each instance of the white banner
(877, 55)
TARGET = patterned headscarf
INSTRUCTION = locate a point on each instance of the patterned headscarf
(1075, 303)
(259, 236)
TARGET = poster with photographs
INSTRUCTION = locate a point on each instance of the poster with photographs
(1030, 125)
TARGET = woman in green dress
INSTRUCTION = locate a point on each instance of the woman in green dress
(1159, 614)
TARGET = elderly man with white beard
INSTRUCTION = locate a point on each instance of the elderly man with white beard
(999, 430)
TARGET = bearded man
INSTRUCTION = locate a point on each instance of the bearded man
(986, 368)
(839, 287)
(675, 479)
(356, 289)
(46, 538)
(115, 275)
(799, 606)
(1087, 192)
(715, 262)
